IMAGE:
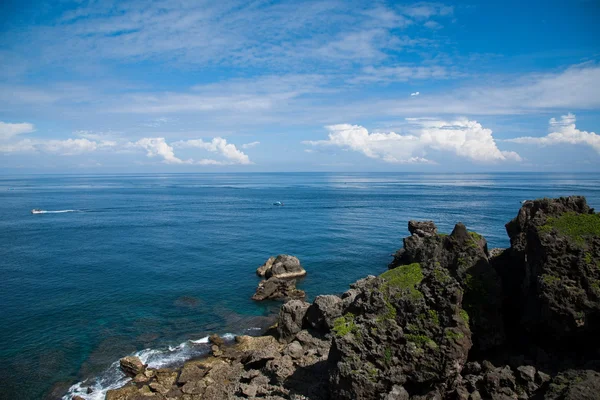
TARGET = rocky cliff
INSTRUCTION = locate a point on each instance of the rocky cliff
(448, 320)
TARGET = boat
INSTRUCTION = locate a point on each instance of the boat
(37, 211)
(278, 203)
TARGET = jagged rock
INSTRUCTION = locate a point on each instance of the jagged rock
(77, 398)
(276, 288)
(403, 329)
(291, 316)
(285, 267)
(552, 273)
(422, 228)
(574, 385)
(262, 270)
(465, 255)
(131, 366)
(323, 311)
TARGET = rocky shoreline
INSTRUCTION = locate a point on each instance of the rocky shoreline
(448, 320)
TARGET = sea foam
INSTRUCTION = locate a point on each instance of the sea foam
(114, 378)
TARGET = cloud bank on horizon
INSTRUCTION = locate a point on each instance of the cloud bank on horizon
(204, 86)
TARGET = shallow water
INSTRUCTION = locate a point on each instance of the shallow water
(154, 261)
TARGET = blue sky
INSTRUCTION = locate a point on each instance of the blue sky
(205, 86)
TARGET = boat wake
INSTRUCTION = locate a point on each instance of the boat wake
(35, 211)
(114, 378)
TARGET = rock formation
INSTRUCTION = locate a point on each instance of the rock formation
(279, 273)
(283, 266)
(446, 321)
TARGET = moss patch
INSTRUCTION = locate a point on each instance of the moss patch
(434, 317)
(550, 279)
(464, 315)
(454, 335)
(344, 325)
(404, 277)
(441, 274)
(421, 340)
(576, 226)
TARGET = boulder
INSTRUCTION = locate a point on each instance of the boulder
(285, 267)
(276, 288)
(323, 311)
(131, 366)
(291, 316)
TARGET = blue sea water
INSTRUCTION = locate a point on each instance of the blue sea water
(151, 264)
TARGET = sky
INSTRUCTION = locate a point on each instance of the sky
(257, 86)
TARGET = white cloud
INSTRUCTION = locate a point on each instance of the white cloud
(250, 145)
(8, 130)
(425, 10)
(403, 74)
(217, 145)
(462, 137)
(158, 147)
(562, 131)
(415, 94)
(66, 147)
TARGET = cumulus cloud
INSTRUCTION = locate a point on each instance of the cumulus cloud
(8, 130)
(415, 94)
(158, 147)
(250, 145)
(562, 131)
(462, 137)
(217, 145)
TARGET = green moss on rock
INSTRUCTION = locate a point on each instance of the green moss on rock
(453, 334)
(464, 315)
(344, 325)
(576, 226)
(405, 277)
(550, 279)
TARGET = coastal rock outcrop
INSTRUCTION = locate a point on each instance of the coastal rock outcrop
(405, 332)
(465, 256)
(446, 321)
(552, 273)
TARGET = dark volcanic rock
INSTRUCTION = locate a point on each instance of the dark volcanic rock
(465, 255)
(575, 385)
(404, 331)
(552, 273)
(276, 288)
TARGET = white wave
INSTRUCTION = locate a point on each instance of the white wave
(55, 211)
(114, 378)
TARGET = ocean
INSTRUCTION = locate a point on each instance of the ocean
(152, 264)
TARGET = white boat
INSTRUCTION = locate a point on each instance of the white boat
(278, 203)
(37, 211)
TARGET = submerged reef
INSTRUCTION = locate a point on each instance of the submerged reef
(448, 320)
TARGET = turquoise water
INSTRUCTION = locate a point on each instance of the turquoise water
(154, 261)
